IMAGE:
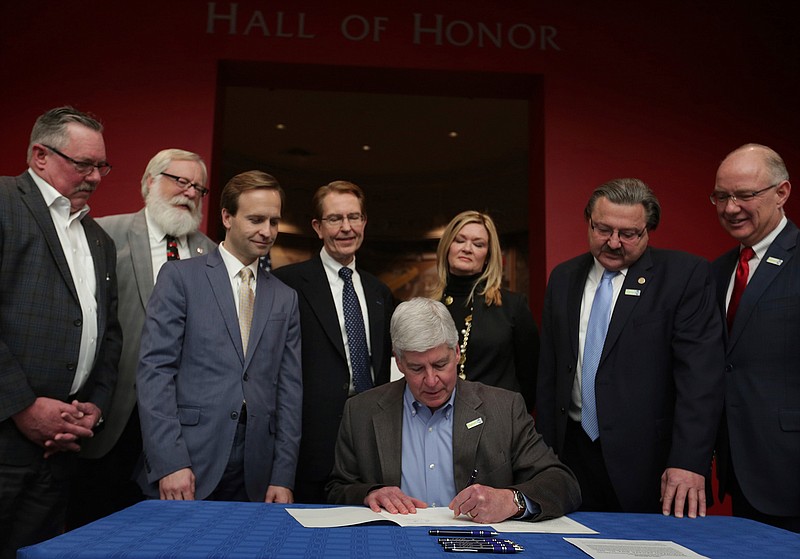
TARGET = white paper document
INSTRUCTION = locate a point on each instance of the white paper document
(433, 516)
(614, 549)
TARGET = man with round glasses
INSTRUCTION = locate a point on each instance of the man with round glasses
(758, 290)
(60, 340)
(173, 187)
(630, 371)
(344, 318)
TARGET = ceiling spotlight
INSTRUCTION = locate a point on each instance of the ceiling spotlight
(365, 147)
(280, 126)
(453, 134)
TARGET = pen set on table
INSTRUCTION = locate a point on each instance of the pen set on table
(475, 541)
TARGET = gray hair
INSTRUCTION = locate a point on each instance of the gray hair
(627, 192)
(772, 161)
(51, 127)
(162, 160)
(421, 324)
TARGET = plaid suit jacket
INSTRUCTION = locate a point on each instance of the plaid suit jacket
(40, 314)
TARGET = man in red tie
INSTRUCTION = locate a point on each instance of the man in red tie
(758, 287)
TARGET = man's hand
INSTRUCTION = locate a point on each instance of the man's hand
(278, 494)
(484, 504)
(393, 500)
(177, 486)
(53, 420)
(681, 488)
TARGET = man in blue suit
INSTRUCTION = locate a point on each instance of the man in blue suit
(758, 288)
(219, 384)
(636, 418)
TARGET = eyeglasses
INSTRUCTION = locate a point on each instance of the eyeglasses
(186, 183)
(720, 198)
(628, 236)
(337, 220)
(85, 168)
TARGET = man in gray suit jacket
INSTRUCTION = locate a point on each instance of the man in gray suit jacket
(434, 440)
(758, 452)
(219, 384)
(59, 336)
(173, 186)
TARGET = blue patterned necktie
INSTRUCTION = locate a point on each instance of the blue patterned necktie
(596, 331)
(356, 335)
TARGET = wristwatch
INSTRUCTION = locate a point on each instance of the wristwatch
(519, 500)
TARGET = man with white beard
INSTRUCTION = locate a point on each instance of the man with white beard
(173, 187)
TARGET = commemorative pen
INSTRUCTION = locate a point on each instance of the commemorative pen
(461, 533)
(473, 477)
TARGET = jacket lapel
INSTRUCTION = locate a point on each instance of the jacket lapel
(388, 425)
(466, 433)
(262, 309)
(141, 258)
(217, 275)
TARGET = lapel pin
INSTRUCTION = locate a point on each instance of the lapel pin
(633, 292)
(774, 261)
(474, 423)
(641, 281)
(199, 250)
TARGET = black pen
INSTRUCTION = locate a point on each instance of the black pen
(461, 533)
(473, 478)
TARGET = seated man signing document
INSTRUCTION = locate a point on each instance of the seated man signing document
(432, 439)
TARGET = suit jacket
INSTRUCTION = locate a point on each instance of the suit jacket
(326, 376)
(505, 447)
(761, 434)
(193, 377)
(135, 277)
(659, 383)
(40, 314)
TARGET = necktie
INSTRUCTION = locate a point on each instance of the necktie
(172, 248)
(742, 272)
(596, 330)
(246, 300)
(356, 335)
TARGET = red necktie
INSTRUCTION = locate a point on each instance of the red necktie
(172, 248)
(742, 272)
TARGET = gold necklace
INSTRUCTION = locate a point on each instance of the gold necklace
(465, 332)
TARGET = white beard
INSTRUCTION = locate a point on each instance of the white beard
(173, 220)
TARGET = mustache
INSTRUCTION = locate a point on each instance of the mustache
(85, 187)
(181, 201)
(613, 251)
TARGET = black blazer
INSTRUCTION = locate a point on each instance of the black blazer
(659, 382)
(761, 434)
(40, 314)
(326, 377)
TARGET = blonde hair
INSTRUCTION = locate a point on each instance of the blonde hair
(492, 275)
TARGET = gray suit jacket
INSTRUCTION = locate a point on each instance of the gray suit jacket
(193, 377)
(505, 449)
(40, 314)
(135, 277)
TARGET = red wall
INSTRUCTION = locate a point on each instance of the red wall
(661, 93)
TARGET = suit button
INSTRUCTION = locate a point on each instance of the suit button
(245, 377)
(728, 368)
(78, 322)
(234, 415)
(71, 366)
(563, 411)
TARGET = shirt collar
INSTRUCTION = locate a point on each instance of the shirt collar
(233, 264)
(760, 248)
(53, 197)
(330, 264)
(414, 406)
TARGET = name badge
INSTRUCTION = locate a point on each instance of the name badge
(774, 261)
(474, 423)
(633, 292)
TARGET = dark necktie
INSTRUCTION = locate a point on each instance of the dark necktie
(596, 331)
(742, 272)
(172, 248)
(356, 335)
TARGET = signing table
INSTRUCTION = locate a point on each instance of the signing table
(200, 529)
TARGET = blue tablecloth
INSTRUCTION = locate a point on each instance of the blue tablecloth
(195, 529)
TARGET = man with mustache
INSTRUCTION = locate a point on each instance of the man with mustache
(343, 352)
(630, 371)
(173, 187)
(59, 337)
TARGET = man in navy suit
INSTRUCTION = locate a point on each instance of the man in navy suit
(653, 388)
(758, 457)
(59, 337)
(219, 385)
(339, 220)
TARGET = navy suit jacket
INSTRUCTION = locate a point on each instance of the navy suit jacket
(326, 376)
(761, 434)
(659, 383)
(40, 314)
(193, 377)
